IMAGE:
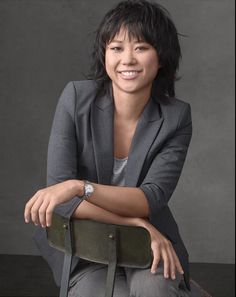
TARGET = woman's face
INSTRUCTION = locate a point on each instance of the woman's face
(132, 65)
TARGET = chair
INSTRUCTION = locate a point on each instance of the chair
(113, 245)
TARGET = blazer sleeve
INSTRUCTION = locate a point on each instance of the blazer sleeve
(62, 149)
(165, 170)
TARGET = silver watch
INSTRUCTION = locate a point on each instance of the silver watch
(88, 190)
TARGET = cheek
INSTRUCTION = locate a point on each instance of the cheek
(109, 64)
(153, 65)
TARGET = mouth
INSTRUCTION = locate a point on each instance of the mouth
(129, 74)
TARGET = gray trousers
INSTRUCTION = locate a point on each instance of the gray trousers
(89, 280)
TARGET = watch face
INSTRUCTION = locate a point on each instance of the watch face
(90, 188)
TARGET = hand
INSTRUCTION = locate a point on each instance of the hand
(163, 250)
(40, 207)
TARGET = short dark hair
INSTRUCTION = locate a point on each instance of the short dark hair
(143, 20)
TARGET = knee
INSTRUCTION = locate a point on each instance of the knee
(141, 291)
(154, 287)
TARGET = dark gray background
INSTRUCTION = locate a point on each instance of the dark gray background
(45, 44)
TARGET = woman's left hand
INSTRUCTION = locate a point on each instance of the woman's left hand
(162, 249)
(40, 207)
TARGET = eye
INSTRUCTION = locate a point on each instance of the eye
(141, 48)
(116, 48)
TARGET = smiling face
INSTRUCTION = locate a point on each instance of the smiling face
(131, 64)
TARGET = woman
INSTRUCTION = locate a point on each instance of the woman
(116, 151)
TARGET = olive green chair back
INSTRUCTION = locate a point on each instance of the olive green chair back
(113, 245)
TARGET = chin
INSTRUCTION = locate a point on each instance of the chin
(130, 90)
(133, 89)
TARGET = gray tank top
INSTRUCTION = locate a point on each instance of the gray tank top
(118, 177)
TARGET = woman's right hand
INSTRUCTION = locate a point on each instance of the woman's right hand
(162, 249)
(39, 208)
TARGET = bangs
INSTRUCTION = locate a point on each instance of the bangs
(134, 30)
(136, 17)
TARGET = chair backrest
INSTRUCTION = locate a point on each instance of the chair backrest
(109, 244)
(91, 240)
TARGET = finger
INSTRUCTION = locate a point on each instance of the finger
(42, 213)
(156, 260)
(172, 266)
(35, 210)
(28, 207)
(177, 263)
(49, 213)
(166, 262)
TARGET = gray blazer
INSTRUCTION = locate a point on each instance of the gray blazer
(81, 147)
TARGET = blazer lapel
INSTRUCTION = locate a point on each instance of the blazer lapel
(102, 136)
(102, 127)
(146, 132)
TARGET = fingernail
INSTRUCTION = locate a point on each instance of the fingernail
(173, 276)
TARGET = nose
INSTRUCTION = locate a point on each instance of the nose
(128, 58)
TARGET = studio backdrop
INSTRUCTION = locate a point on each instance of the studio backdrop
(45, 44)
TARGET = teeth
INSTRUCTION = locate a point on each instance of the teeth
(129, 73)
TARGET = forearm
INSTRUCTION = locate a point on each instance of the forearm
(89, 211)
(161, 247)
(124, 201)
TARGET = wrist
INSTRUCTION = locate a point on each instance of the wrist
(77, 186)
(145, 224)
(139, 222)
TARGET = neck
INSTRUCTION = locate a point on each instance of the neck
(129, 106)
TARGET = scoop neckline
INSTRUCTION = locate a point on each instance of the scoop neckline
(121, 159)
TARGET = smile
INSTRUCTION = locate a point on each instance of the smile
(129, 74)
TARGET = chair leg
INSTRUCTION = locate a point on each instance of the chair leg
(67, 259)
(112, 257)
(110, 279)
(66, 275)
